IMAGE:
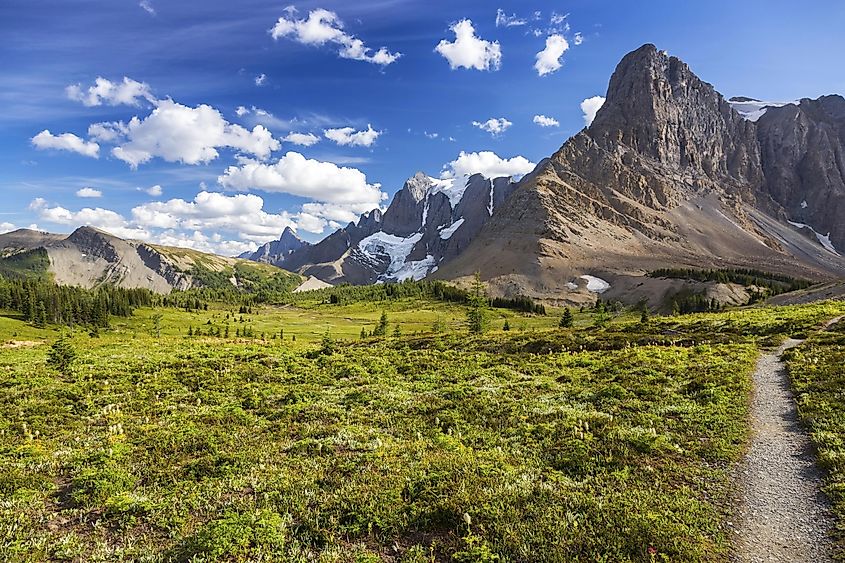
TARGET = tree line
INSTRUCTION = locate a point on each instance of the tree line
(42, 302)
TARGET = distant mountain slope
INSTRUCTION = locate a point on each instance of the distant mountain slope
(429, 222)
(89, 257)
(668, 174)
(278, 250)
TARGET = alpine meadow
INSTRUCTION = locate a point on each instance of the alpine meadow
(422, 282)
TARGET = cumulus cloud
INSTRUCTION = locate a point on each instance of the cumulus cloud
(322, 27)
(241, 111)
(494, 126)
(104, 219)
(590, 108)
(191, 135)
(468, 50)
(107, 131)
(548, 60)
(544, 121)
(337, 193)
(211, 211)
(261, 79)
(66, 142)
(348, 136)
(578, 39)
(88, 192)
(128, 92)
(488, 164)
(6, 227)
(303, 139)
(154, 191)
(504, 20)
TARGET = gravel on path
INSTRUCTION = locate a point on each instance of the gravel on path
(783, 515)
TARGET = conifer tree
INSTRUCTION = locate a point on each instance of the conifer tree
(566, 321)
(477, 313)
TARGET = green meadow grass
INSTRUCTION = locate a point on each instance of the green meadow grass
(817, 371)
(536, 444)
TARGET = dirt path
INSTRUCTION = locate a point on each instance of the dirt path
(783, 515)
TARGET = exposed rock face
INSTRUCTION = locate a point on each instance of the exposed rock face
(89, 257)
(22, 240)
(669, 174)
(803, 157)
(429, 221)
(277, 250)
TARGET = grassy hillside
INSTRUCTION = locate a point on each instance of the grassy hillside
(28, 264)
(817, 370)
(535, 444)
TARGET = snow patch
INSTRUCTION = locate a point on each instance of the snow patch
(824, 240)
(453, 189)
(447, 232)
(416, 269)
(490, 205)
(572, 285)
(753, 110)
(804, 204)
(595, 285)
(396, 249)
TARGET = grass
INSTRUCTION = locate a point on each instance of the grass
(817, 371)
(538, 444)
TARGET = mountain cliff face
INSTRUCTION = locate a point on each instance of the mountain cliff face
(802, 149)
(277, 250)
(669, 174)
(429, 221)
(89, 257)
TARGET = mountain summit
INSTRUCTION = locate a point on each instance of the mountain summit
(669, 174)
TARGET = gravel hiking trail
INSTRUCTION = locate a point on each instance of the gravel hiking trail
(783, 515)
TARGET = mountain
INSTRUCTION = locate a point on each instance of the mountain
(277, 250)
(429, 222)
(89, 257)
(669, 174)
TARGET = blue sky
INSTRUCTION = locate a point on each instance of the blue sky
(365, 79)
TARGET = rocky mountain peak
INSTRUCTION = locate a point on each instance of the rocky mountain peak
(659, 109)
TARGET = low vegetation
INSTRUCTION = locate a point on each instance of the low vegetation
(817, 371)
(610, 442)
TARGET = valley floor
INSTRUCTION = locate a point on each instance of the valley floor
(612, 443)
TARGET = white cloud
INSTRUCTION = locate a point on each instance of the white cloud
(431, 135)
(88, 192)
(323, 26)
(154, 191)
(104, 219)
(107, 131)
(304, 139)
(147, 7)
(261, 79)
(468, 50)
(494, 126)
(348, 136)
(241, 213)
(337, 193)
(241, 111)
(504, 20)
(548, 60)
(558, 19)
(6, 227)
(129, 92)
(487, 163)
(544, 121)
(590, 108)
(180, 133)
(578, 39)
(66, 142)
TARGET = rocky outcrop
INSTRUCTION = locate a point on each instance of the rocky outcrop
(429, 222)
(277, 250)
(803, 157)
